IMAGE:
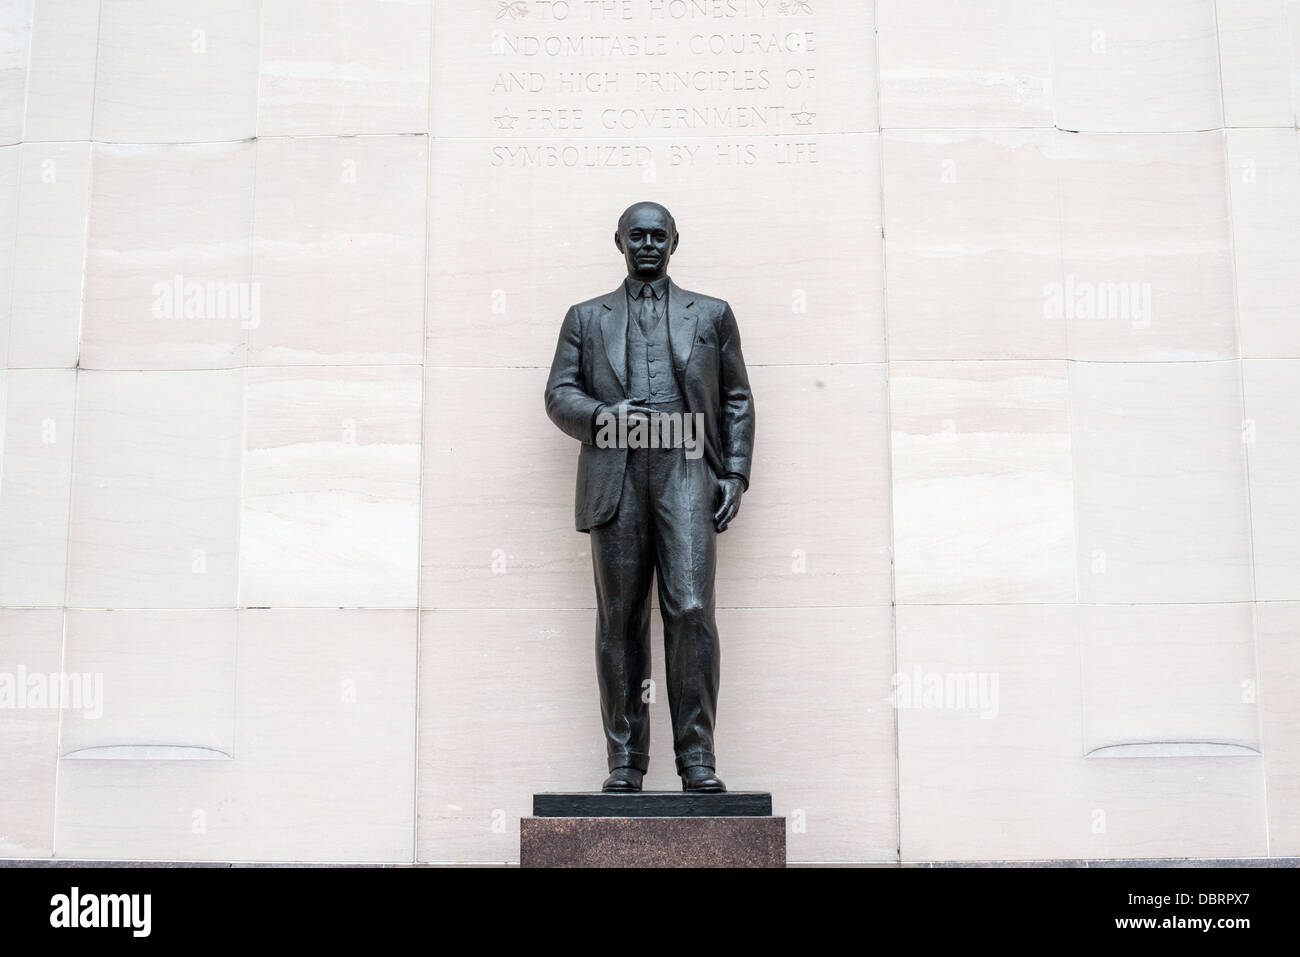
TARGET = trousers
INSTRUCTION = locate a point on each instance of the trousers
(663, 529)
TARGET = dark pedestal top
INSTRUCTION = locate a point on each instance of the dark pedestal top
(652, 804)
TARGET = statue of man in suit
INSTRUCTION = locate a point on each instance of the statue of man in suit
(651, 361)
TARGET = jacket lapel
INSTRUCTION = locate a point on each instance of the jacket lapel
(682, 321)
(613, 331)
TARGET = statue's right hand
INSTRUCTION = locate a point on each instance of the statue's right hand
(630, 408)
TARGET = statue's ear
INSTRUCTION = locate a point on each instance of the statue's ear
(618, 240)
(677, 238)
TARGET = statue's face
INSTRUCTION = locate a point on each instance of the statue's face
(647, 241)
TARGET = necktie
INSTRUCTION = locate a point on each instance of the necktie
(647, 316)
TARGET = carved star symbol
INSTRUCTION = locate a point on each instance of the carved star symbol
(788, 7)
(506, 121)
(514, 9)
(803, 118)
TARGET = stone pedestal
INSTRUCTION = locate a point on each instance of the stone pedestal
(652, 829)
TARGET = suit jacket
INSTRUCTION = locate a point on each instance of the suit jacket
(590, 371)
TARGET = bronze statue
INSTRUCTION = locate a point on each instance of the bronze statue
(651, 380)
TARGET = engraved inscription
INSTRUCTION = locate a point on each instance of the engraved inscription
(644, 71)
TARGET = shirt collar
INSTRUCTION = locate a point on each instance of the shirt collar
(633, 286)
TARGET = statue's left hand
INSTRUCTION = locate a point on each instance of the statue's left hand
(731, 490)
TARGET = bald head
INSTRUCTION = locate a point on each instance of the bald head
(655, 207)
(647, 238)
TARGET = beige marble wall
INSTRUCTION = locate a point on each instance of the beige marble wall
(279, 286)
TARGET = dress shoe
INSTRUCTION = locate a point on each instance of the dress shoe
(702, 779)
(623, 779)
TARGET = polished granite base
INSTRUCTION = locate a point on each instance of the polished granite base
(652, 829)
